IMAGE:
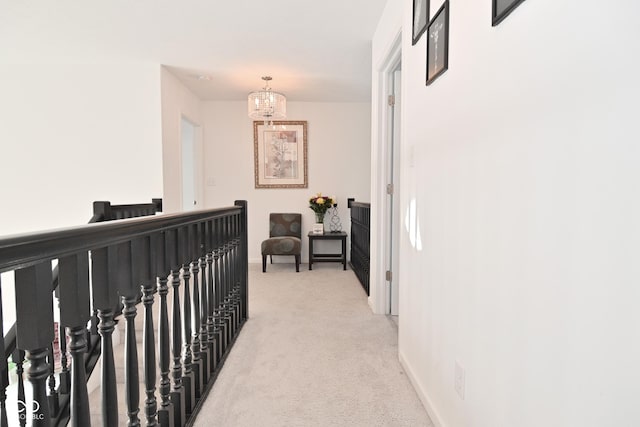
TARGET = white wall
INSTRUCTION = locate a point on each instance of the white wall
(338, 149)
(178, 102)
(525, 181)
(74, 133)
(70, 134)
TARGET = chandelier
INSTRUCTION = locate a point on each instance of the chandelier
(266, 104)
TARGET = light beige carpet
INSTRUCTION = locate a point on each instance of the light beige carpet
(312, 354)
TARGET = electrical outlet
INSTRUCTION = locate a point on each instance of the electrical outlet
(458, 380)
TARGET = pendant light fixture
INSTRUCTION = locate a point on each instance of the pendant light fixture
(266, 104)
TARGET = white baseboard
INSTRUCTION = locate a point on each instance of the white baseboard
(422, 394)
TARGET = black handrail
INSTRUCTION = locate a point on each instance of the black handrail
(208, 246)
(102, 211)
(25, 250)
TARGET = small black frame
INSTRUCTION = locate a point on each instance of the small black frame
(500, 9)
(438, 44)
(420, 19)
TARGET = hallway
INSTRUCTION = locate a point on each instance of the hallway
(312, 354)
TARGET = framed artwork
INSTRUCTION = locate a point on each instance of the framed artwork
(438, 43)
(420, 18)
(280, 154)
(500, 9)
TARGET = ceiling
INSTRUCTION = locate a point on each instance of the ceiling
(315, 51)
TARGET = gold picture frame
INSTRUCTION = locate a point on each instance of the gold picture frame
(280, 154)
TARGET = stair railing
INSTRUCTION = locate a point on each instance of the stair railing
(102, 266)
(360, 238)
(58, 396)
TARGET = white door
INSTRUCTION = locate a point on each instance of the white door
(188, 140)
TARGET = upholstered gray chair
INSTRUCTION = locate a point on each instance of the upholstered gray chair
(284, 238)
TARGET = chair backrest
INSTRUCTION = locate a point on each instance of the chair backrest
(285, 224)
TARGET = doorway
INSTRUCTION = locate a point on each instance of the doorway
(188, 166)
(393, 187)
(392, 208)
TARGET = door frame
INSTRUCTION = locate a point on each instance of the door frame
(198, 163)
(379, 290)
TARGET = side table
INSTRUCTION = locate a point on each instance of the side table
(341, 257)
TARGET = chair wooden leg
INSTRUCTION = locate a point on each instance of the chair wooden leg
(264, 263)
(271, 258)
(297, 263)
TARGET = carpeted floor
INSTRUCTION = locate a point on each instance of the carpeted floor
(312, 354)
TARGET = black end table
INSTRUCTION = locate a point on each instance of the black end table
(341, 257)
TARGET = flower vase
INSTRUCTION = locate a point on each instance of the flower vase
(318, 227)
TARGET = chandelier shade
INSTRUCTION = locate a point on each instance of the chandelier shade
(266, 104)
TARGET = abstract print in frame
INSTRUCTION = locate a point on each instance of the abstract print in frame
(500, 9)
(438, 44)
(280, 154)
(420, 19)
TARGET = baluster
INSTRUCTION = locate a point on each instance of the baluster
(129, 297)
(64, 377)
(34, 312)
(151, 405)
(205, 354)
(197, 366)
(232, 278)
(177, 390)
(105, 298)
(37, 374)
(131, 376)
(187, 378)
(53, 401)
(165, 413)
(18, 358)
(224, 314)
(240, 266)
(236, 276)
(79, 411)
(210, 308)
(220, 315)
(210, 297)
(141, 253)
(227, 287)
(4, 371)
(235, 292)
(217, 325)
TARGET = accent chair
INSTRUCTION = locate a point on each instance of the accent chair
(285, 232)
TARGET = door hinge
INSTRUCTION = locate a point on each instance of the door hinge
(388, 275)
(390, 189)
(392, 100)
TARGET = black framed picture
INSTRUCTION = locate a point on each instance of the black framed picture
(500, 9)
(438, 43)
(420, 18)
